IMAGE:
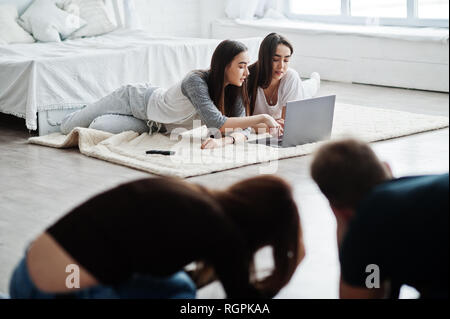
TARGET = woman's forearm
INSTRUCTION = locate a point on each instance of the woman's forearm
(236, 138)
(241, 122)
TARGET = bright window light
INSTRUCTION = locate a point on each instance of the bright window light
(433, 9)
(406, 13)
(379, 8)
(317, 7)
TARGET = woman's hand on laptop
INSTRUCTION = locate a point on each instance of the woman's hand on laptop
(281, 122)
(267, 124)
(277, 131)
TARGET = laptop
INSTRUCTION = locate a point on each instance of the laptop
(307, 121)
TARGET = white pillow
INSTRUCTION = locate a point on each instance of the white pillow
(48, 23)
(10, 31)
(94, 12)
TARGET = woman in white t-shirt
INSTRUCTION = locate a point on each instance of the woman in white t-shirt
(272, 83)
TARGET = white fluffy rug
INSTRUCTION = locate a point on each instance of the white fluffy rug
(128, 148)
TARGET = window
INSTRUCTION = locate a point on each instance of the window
(325, 7)
(433, 9)
(380, 8)
(414, 13)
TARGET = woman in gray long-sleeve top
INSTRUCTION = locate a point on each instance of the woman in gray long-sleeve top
(217, 97)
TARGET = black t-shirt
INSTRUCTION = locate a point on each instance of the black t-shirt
(156, 227)
(402, 227)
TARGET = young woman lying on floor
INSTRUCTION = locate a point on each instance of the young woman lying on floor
(272, 83)
(218, 97)
(134, 241)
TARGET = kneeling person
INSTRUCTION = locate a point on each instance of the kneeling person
(397, 228)
(134, 241)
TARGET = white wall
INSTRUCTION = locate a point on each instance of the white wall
(344, 58)
(401, 63)
(181, 18)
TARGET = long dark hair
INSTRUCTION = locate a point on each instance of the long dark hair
(264, 209)
(225, 100)
(261, 71)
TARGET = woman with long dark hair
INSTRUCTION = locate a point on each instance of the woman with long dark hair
(272, 83)
(135, 240)
(217, 97)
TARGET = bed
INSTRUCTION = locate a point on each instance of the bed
(42, 82)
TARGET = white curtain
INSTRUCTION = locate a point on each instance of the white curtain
(250, 9)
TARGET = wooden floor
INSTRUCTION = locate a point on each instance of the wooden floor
(38, 184)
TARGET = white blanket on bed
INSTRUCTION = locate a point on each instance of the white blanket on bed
(129, 148)
(52, 76)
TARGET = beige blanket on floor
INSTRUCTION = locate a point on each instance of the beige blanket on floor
(128, 148)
